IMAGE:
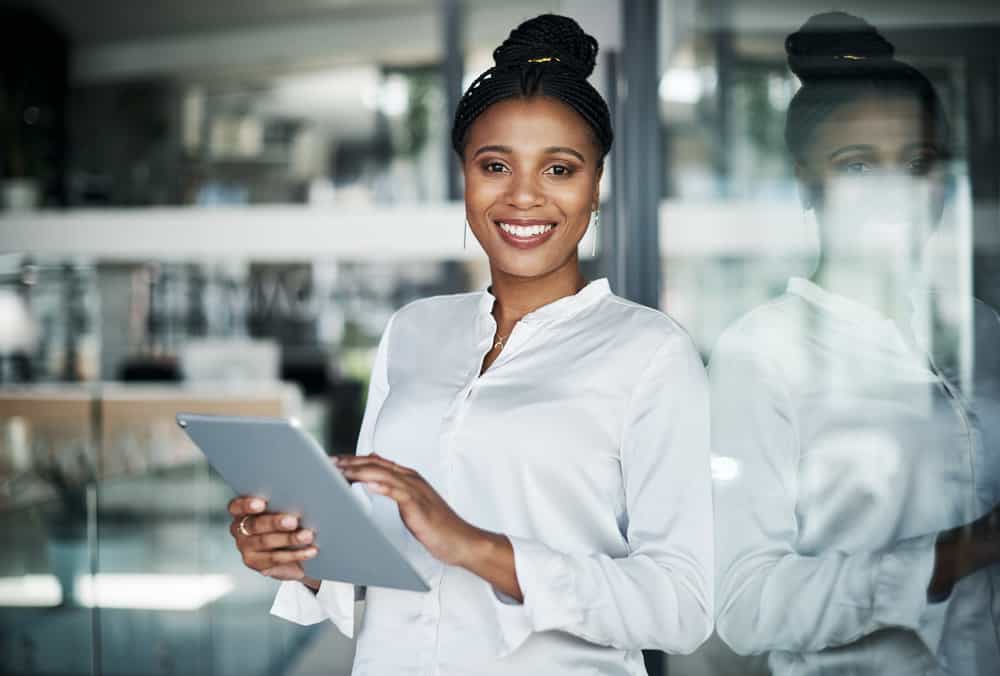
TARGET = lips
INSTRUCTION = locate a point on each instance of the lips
(525, 233)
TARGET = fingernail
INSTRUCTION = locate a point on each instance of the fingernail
(305, 536)
(256, 505)
(288, 522)
(311, 553)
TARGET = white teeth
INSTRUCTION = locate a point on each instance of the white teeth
(526, 231)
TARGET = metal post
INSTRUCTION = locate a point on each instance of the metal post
(638, 175)
(452, 66)
(724, 61)
(638, 157)
(983, 118)
(612, 250)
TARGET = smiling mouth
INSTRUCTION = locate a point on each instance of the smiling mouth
(525, 232)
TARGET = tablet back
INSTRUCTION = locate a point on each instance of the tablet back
(276, 460)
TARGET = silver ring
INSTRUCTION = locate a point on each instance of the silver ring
(243, 525)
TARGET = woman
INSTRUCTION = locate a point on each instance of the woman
(539, 449)
(854, 516)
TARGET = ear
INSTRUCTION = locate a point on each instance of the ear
(595, 203)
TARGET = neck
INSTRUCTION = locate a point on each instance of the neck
(869, 285)
(517, 296)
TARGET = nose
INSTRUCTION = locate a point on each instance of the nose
(524, 192)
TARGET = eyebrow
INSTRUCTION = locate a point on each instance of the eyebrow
(921, 145)
(848, 149)
(909, 147)
(550, 150)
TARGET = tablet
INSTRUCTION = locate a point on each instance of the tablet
(274, 459)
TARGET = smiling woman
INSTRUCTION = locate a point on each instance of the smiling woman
(532, 179)
(519, 443)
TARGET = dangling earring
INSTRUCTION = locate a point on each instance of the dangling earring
(596, 213)
(465, 230)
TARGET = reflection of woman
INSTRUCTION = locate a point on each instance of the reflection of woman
(552, 482)
(847, 461)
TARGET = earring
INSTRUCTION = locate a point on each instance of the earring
(597, 222)
(465, 231)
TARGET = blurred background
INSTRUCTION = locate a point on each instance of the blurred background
(215, 207)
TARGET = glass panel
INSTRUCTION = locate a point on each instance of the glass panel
(826, 196)
(47, 509)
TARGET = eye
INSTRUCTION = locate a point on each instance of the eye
(559, 170)
(494, 167)
(854, 168)
(921, 166)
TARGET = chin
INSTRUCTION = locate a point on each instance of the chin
(527, 266)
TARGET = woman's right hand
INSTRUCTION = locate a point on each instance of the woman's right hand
(964, 550)
(267, 548)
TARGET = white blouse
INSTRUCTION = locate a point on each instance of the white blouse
(840, 454)
(586, 443)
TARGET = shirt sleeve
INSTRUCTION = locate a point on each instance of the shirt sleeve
(660, 595)
(770, 597)
(335, 600)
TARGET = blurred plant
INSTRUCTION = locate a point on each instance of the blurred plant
(421, 89)
(765, 123)
(68, 470)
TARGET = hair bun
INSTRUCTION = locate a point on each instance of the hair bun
(835, 43)
(549, 35)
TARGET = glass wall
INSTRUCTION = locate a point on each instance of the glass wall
(827, 221)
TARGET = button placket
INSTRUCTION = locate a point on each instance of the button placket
(453, 421)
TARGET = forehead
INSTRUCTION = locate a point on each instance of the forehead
(531, 124)
(886, 124)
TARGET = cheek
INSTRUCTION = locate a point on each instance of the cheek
(480, 194)
(575, 200)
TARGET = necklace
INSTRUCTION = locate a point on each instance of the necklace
(499, 344)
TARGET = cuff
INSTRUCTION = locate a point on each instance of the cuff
(334, 601)
(547, 585)
(901, 590)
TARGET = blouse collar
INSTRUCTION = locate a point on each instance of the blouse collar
(841, 306)
(560, 308)
(874, 323)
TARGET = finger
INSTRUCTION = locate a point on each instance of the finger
(247, 504)
(291, 555)
(271, 541)
(374, 473)
(398, 494)
(270, 523)
(285, 571)
(383, 482)
(372, 460)
(261, 561)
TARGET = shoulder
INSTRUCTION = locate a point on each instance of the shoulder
(647, 330)
(764, 345)
(432, 310)
(770, 324)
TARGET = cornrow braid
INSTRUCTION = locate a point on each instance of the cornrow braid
(548, 55)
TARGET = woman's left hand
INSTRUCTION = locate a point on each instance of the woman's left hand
(446, 536)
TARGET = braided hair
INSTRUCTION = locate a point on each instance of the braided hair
(548, 55)
(841, 59)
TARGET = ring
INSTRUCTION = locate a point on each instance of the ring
(243, 525)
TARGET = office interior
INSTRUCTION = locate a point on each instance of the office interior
(216, 206)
